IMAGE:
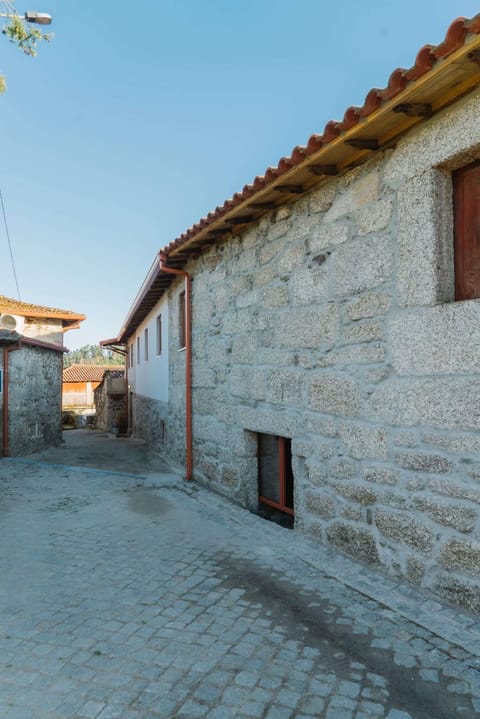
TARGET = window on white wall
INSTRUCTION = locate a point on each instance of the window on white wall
(145, 336)
(131, 355)
(138, 350)
(1, 381)
(159, 335)
(181, 320)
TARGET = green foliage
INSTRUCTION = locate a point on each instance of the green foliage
(26, 38)
(93, 354)
(20, 33)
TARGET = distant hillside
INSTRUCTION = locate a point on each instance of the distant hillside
(92, 354)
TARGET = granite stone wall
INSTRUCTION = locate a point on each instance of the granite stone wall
(148, 420)
(35, 380)
(332, 322)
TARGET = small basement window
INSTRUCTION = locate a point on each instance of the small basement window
(466, 203)
(275, 478)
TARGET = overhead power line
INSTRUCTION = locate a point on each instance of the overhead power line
(9, 245)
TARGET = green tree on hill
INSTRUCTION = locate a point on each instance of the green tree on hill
(93, 354)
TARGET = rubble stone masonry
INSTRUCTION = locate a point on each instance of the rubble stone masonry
(332, 322)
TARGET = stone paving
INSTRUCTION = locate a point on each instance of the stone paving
(143, 597)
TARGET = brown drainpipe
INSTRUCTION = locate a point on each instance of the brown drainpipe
(162, 257)
(6, 352)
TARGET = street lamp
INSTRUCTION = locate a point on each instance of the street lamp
(39, 18)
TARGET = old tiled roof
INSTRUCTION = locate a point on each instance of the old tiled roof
(86, 372)
(356, 132)
(440, 75)
(25, 309)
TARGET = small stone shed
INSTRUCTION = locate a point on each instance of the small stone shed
(31, 361)
(320, 331)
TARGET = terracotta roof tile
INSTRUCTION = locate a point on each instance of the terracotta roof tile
(87, 372)
(426, 58)
(342, 144)
(16, 307)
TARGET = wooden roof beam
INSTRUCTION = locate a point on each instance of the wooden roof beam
(414, 109)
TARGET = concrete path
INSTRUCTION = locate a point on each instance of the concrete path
(129, 594)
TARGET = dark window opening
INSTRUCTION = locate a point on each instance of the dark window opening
(275, 479)
(159, 335)
(466, 203)
(181, 320)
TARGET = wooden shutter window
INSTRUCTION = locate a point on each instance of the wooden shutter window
(466, 207)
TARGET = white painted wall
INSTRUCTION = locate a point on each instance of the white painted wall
(150, 377)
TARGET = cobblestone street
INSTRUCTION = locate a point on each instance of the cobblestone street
(137, 596)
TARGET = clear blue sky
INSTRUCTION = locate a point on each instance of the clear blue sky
(140, 118)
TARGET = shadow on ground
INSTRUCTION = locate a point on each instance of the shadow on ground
(101, 450)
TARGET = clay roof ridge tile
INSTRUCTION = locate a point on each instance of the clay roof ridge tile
(473, 25)
(454, 38)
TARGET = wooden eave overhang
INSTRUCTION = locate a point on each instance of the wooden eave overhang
(441, 75)
(376, 126)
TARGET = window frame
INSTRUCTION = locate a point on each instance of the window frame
(145, 341)
(158, 326)
(463, 230)
(182, 334)
(286, 480)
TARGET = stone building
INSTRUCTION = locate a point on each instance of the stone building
(111, 401)
(79, 382)
(335, 332)
(31, 361)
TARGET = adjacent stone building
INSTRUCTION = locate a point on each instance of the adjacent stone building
(31, 362)
(111, 401)
(335, 332)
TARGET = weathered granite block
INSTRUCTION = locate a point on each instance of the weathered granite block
(376, 217)
(368, 305)
(309, 285)
(402, 528)
(445, 403)
(363, 440)
(423, 462)
(355, 541)
(458, 591)
(326, 237)
(307, 328)
(415, 570)
(335, 394)
(356, 492)
(282, 386)
(320, 504)
(461, 555)
(436, 340)
(380, 474)
(460, 518)
(362, 191)
(363, 332)
(372, 259)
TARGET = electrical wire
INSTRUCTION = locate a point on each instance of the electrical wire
(9, 245)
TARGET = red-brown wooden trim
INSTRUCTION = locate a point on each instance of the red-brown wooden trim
(466, 204)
